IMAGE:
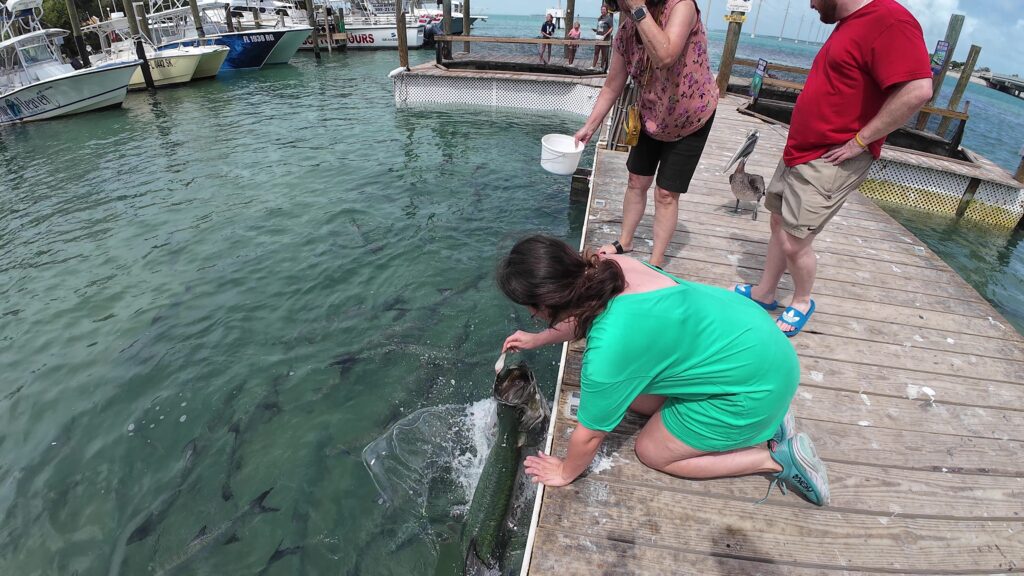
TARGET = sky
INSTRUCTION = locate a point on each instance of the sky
(994, 25)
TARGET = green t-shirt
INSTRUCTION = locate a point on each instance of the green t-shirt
(715, 350)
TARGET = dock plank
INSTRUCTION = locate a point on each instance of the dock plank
(912, 387)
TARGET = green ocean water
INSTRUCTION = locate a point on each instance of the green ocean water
(276, 265)
(237, 285)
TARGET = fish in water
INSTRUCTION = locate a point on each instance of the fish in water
(226, 533)
(745, 186)
(521, 409)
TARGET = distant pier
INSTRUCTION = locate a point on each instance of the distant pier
(1013, 85)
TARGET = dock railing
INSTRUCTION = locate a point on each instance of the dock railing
(790, 79)
(518, 54)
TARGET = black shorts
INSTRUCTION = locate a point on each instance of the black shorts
(674, 162)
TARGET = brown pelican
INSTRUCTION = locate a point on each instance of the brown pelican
(746, 187)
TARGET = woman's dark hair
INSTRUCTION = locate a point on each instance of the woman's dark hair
(545, 273)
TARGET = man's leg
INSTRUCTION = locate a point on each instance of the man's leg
(803, 266)
(666, 217)
(657, 448)
(774, 263)
(633, 204)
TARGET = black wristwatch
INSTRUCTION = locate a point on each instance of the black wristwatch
(639, 13)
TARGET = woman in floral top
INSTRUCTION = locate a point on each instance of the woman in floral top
(663, 47)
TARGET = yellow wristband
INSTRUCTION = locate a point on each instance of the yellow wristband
(856, 138)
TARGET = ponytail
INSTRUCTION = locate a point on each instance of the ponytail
(545, 273)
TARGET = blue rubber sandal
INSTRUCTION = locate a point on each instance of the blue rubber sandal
(745, 290)
(796, 319)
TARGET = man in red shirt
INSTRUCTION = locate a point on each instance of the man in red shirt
(871, 75)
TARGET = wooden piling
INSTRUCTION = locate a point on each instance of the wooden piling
(446, 26)
(311, 12)
(570, 19)
(1019, 176)
(732, 41)
(227, 18)
(961, 86)
(143, 19)
(956, 23)
(76, 31)
(403, 38)
(466, 21)
(197, 18)
(140, 50)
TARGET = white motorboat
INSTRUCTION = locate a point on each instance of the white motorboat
(36, 82)
(173, 27)
(167, 68)
(273, 15)
(373, 25)
(436, 16)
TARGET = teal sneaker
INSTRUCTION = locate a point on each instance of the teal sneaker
(786, 430)
(802, 470)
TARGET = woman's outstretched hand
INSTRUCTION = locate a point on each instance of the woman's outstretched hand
(583, 135)
(545, 469)
(520, 340)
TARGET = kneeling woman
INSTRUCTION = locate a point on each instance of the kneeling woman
(708, 366)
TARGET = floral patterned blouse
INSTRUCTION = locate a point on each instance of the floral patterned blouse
(677, 100)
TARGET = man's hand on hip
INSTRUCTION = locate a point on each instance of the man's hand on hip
(840, 154)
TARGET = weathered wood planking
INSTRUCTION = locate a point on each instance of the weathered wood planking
(912, 387)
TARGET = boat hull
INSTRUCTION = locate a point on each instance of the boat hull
(247, 50)
(166, 70)
(210, 62)
(84, 90)
(381, 36)
(289, 44)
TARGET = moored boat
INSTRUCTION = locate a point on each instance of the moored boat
(35, 84)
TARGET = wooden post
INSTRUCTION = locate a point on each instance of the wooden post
(76, 30)
(403, 37)
(956, 23)
(707, 15)
(143, 19)
(311, 12)
(1019, 176)
(466, 20)
(197, 18)
(227, 18)
(446, 26)
(961, 86)
(570, 19)
(732, 41)
(140, 50)
(256, 18)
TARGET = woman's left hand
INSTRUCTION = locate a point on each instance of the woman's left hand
(546, 469)
(840, 154)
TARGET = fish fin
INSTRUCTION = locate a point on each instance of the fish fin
(521, 440)
(258, 506)
(280, 553)
(232, 539)
(200, 534)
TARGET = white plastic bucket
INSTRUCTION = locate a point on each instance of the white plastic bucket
(559, 154)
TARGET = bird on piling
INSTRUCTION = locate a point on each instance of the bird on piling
(746, 187)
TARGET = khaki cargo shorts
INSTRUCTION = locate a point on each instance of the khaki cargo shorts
(808, 195)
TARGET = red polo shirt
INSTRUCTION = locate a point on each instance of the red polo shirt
(870, 51)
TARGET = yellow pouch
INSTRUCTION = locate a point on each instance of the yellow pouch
(632, 128)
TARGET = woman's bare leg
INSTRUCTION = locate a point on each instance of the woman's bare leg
(634, 203)
(657, 448)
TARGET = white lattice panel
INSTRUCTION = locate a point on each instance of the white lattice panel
(411, 90)
(915, 186)
(997, 204)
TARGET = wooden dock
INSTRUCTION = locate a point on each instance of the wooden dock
(912, 387)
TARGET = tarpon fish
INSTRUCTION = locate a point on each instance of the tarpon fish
(226, 533)
(521, 409)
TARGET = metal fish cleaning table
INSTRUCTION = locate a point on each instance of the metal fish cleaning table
(912, 387)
